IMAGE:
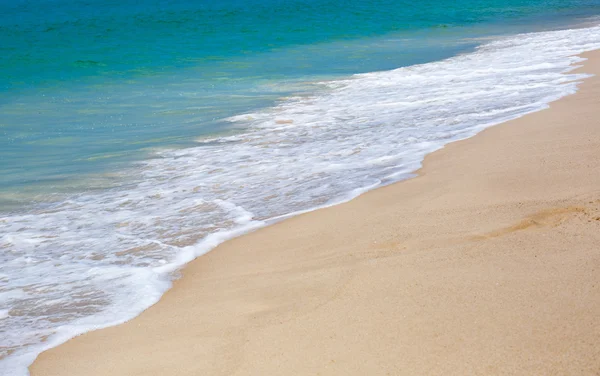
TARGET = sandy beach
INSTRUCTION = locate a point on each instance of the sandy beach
(487, 263)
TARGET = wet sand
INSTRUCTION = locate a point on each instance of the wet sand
(487, 263)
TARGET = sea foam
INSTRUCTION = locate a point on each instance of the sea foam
(100, 258)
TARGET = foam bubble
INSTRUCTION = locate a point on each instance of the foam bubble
(100, 258)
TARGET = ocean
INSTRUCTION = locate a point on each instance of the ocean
(136, 136)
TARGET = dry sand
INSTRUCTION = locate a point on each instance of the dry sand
(488, 263)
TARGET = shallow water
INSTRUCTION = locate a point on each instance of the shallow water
(120, 167)
(86, 87)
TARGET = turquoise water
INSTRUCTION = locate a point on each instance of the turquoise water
(53, 41)
(136, 136)
(88, 86)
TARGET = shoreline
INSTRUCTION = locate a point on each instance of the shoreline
(326, 251)
(444, 118)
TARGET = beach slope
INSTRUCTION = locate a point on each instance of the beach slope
(486, 263)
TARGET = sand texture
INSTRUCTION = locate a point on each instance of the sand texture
(487, 263)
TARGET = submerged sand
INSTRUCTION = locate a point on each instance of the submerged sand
(487, 263)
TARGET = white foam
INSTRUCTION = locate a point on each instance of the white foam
(101, 258)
